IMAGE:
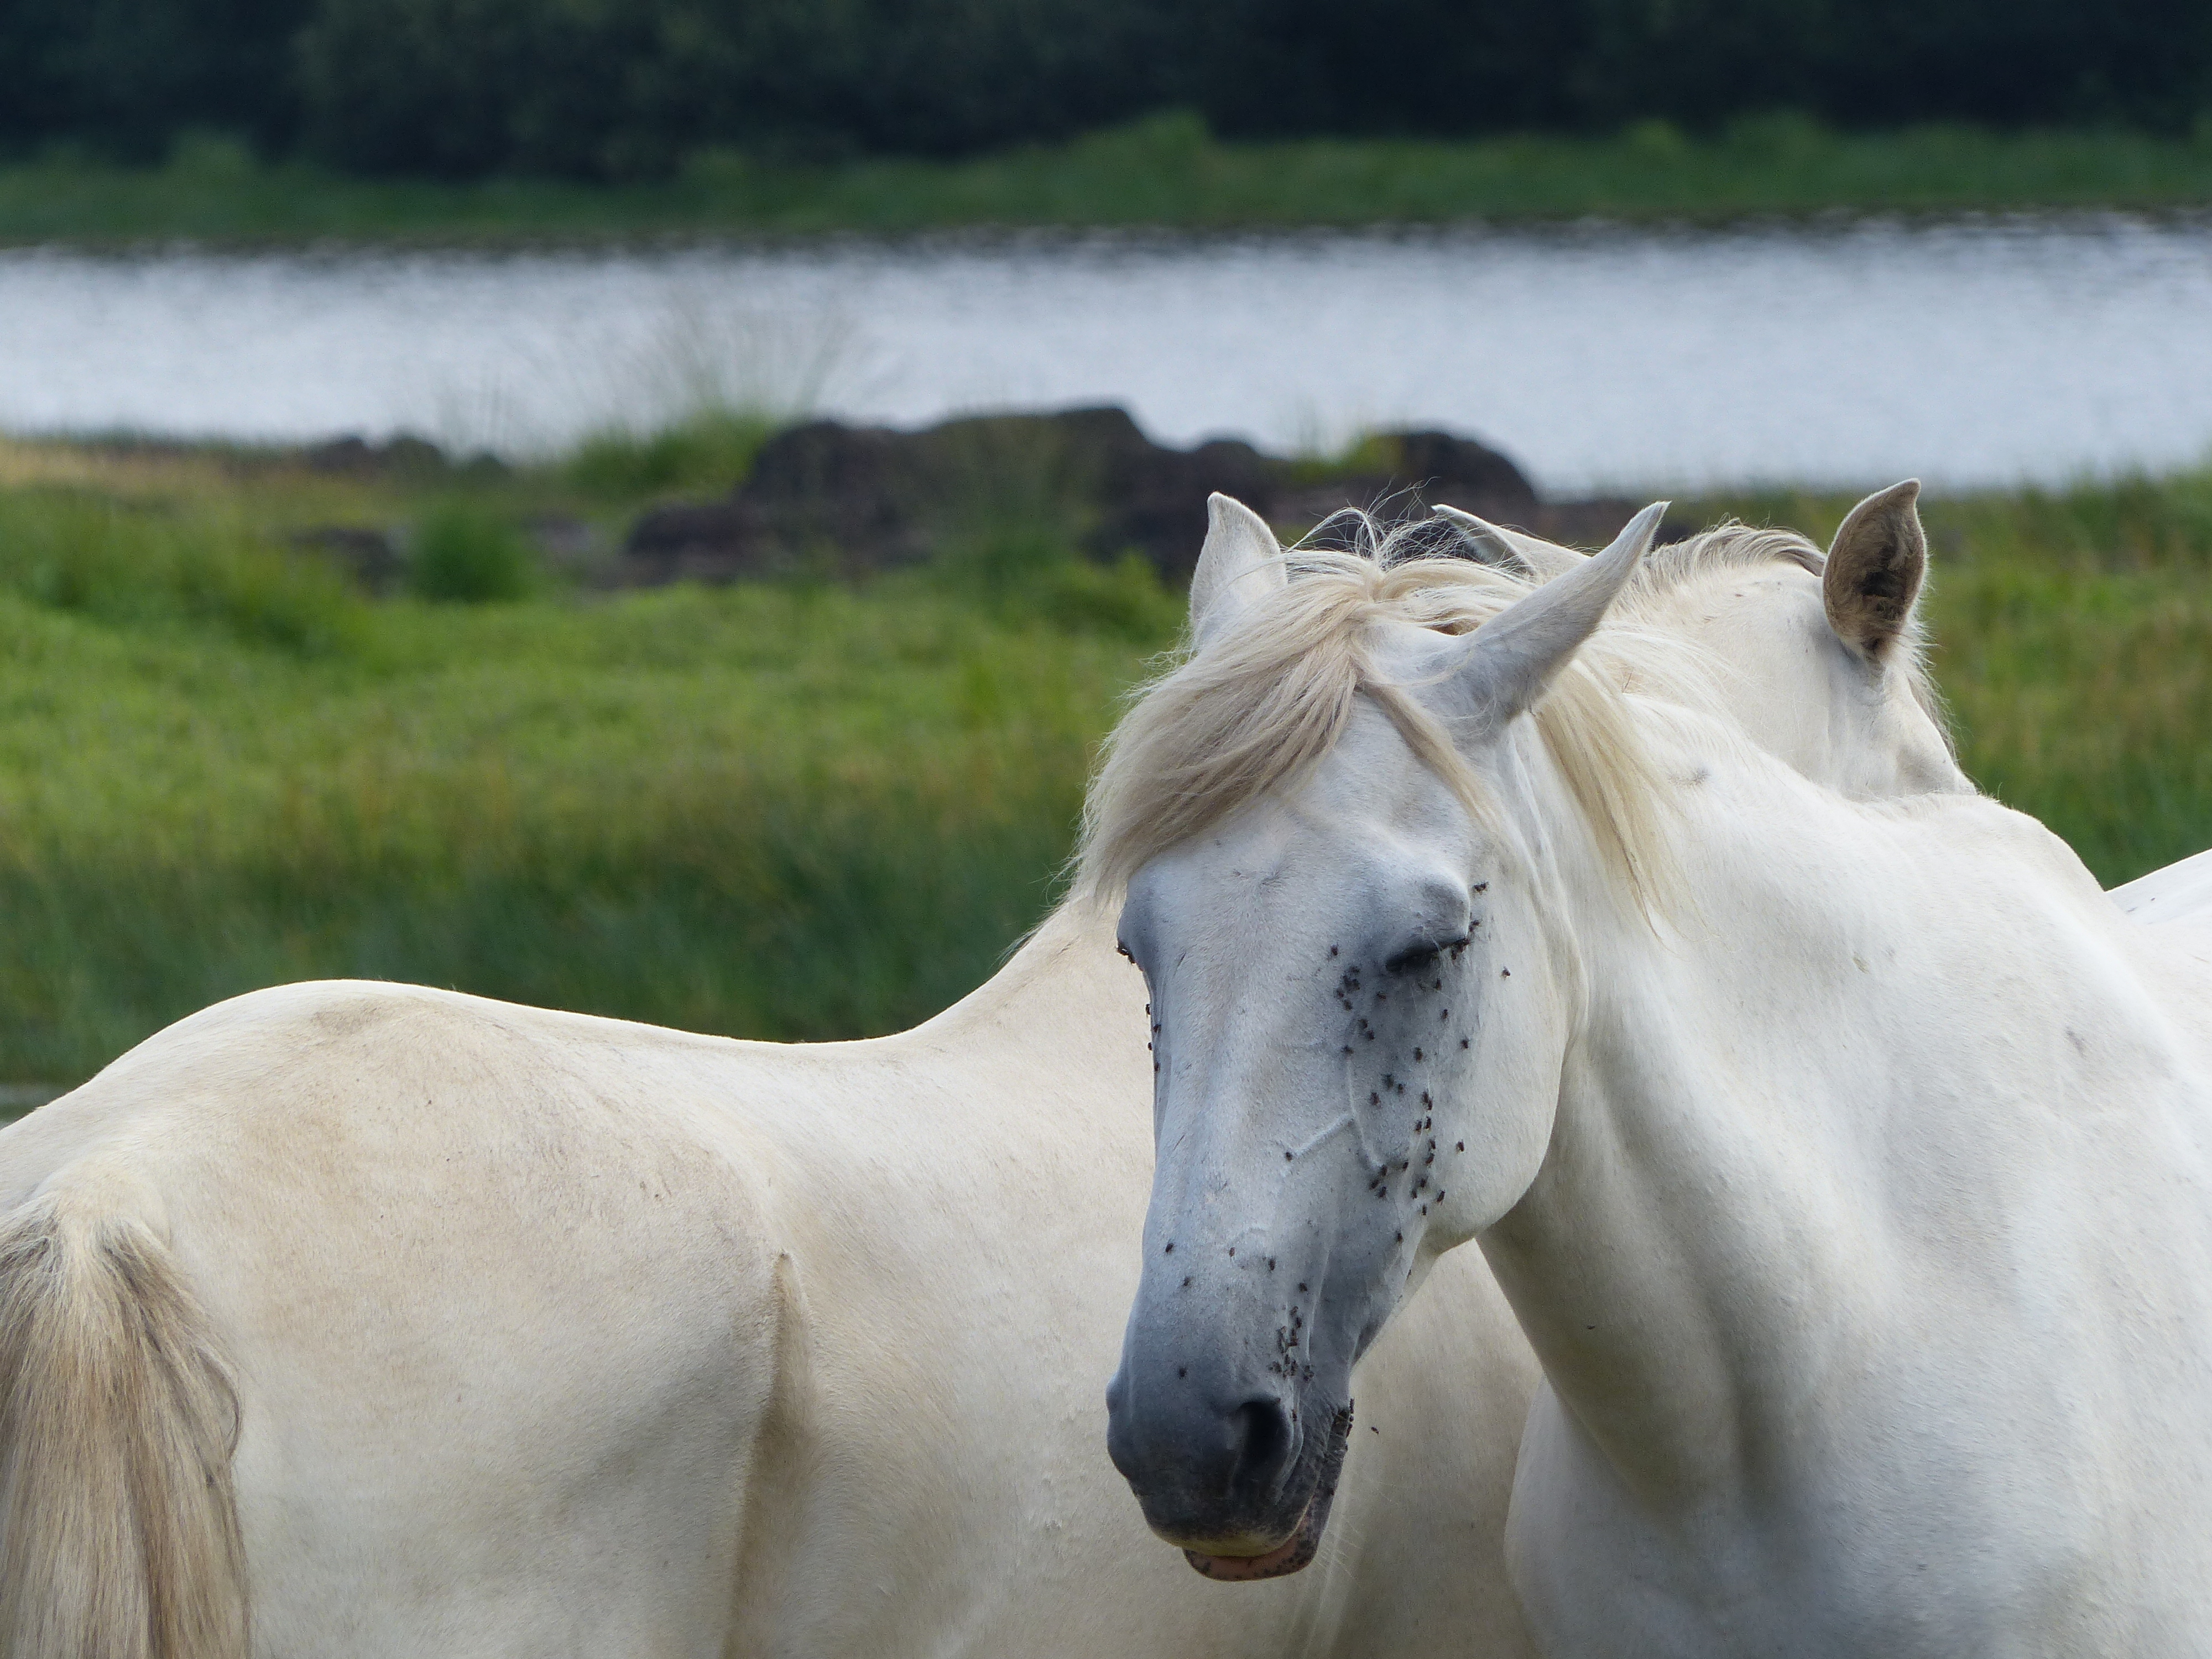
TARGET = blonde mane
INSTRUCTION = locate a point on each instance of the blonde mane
(1256, 709)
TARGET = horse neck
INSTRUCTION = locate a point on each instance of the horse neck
(1752, 1106)
(1065, 980)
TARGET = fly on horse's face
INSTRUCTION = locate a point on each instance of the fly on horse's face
(1362, 1015)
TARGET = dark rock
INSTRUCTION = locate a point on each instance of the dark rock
(825, 495)
(1443, 467)
(366, 555)
(884, 497)
(860, 491)
(1155, 501)
(716, 541)
(354, 456)
(856, 499)
(350, 454)
(1420, 469)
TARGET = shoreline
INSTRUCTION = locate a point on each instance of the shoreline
(1161, 176)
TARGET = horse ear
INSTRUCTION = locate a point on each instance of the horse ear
(1511, 659)
(1542, 559)
(1874, 569)
(1240, 564)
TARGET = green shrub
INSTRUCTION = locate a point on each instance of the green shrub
(1125, 598)
(1020, 565)
(467, 554)
(711, 452)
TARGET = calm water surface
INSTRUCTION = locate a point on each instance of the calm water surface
(1982, 352)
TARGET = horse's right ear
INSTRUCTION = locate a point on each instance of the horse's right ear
(1874, 569)
(1240, 565)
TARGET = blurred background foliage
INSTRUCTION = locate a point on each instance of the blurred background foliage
(798, 808)
(228, 760)
(627, 89)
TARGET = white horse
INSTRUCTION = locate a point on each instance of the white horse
(398, 1321)
(1848, 1164)
(2180, 892)
(358, 1318)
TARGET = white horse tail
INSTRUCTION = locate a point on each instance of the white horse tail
(118, 1528)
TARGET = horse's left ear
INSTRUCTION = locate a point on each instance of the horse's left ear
(1874, 569)
(1511, 659)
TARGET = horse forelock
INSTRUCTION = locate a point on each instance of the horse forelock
(1263, 703)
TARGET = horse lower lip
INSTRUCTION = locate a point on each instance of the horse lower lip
(1286, 1558)
(1304, 1542)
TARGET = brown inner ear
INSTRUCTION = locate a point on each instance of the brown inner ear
(1874, 570)
(1886, 587)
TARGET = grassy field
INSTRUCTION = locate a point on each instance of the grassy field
(792, 810)
(1164, 172)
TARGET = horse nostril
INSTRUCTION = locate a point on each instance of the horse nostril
(1260, 1430)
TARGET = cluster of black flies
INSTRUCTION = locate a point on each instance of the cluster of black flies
(1348, 986)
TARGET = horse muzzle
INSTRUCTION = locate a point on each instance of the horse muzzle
(1243, 1489)
(1304, 1542)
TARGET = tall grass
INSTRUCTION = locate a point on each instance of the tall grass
(786, 811)
(772, 811)
(464, 553)
(122, 561)
(794, 811)
(1165, 171)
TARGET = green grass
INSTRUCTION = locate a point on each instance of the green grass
(794, 811)
(1162, 172)
(790, 812)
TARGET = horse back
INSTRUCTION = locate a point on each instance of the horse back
(496, 1294)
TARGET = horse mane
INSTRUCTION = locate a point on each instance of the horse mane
(1257, 709)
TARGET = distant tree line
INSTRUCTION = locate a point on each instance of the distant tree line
(621, 88)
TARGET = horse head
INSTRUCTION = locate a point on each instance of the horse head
(1362, 996)
(1359, 1005)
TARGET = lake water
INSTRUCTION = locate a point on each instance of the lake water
(1978, 352)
